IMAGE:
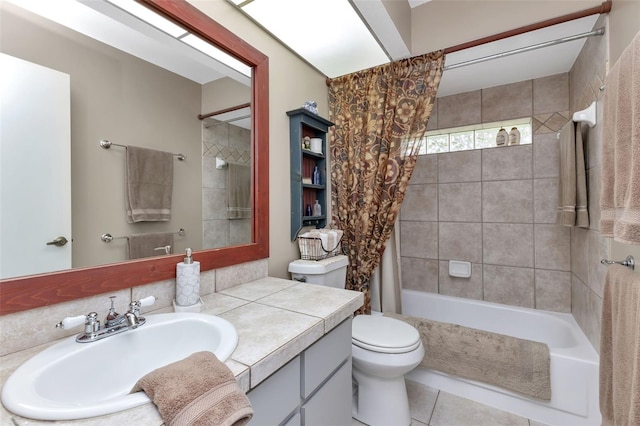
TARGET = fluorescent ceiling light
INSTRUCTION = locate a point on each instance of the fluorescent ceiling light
(150, 17)
(329, 34)
(212, 51)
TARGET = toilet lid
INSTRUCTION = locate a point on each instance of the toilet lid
(384, 334)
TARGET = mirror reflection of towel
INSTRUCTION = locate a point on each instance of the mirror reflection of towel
(149, 185)
(239, 191)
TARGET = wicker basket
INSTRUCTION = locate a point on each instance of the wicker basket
(312, 247)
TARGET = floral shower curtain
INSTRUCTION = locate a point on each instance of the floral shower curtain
(380, 117)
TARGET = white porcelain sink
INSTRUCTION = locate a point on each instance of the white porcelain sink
(71, 380)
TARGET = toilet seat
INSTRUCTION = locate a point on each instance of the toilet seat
(384, 334)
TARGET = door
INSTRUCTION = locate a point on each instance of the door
(35, 168)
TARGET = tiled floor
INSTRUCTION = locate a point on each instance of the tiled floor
(437, 408)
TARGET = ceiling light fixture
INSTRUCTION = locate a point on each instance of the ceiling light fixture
(328, 34)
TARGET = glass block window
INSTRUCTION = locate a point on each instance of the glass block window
(474, 137)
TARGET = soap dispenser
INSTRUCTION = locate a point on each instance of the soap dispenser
(187, 281)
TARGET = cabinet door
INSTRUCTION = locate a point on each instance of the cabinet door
(324, 356)
(331, 405)
(277, 397)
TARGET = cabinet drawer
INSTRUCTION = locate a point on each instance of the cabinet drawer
(331, 405)
(277, 397)
(324, 356)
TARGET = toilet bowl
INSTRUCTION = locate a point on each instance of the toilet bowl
(383, 350)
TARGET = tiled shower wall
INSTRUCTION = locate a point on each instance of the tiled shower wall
(587, 246)
(229, 143)
(496, 207)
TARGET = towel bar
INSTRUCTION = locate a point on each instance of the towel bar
(628, 262)
(107, 238)
(106, 144)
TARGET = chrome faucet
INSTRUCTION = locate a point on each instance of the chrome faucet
(114, 323)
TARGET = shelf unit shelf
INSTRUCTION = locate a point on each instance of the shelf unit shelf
(303, 161)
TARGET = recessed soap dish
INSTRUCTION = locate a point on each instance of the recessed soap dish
(458, 268)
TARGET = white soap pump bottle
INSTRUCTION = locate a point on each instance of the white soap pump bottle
(187, 281)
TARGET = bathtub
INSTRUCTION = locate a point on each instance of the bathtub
(574, 362)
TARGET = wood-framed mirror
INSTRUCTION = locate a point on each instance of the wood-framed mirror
(28, 292)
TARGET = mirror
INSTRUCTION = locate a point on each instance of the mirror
(22, 293)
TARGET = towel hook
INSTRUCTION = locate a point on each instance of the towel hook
(628, 262)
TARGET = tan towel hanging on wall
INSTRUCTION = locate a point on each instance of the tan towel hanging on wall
(572, 192)
(620, 348)
(620, 196)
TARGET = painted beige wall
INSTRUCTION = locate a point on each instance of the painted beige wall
(400, 13)
(291, 82)
(624, 21)
(458, 20)
(224, 93)
(128, 101)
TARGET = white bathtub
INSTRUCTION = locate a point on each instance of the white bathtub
(574, 362)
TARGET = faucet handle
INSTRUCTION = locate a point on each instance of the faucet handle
(147, 301)
(70, 322)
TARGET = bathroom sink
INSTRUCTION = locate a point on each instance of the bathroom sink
(71, 380)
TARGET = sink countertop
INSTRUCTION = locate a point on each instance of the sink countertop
(276, 319)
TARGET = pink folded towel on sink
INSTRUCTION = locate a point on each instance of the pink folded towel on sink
(198, 390)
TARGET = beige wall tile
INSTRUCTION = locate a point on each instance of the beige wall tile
(551, 93)
(586, 308)
(433, 118)
(505, 163)
(460, 202)
(545, 200)
(420, 203)
(552, 247)
(469, 288)
(426, 170)
(419, 239)
(507, 201)
(594, 186)
(598, 249)
(508, 101)
(231, 276)
(507, 244)
(460, 241)
(459, 110)
(594, 139)
(420, 274)
(553, 290)
(512, 286)
(545, 155)
(462, 166)
(580, 253)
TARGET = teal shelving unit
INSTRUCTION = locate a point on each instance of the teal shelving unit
(304, 123)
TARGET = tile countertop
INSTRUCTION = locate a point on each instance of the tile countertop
(276, 319)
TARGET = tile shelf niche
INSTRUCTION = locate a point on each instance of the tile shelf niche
(303, 161)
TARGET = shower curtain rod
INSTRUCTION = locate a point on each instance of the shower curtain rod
(599, 31)
(604, 7)
(222, 111)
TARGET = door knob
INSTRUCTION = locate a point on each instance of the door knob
(58, 242)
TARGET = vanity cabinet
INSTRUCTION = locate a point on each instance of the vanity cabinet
(313, 389)
(304, 191)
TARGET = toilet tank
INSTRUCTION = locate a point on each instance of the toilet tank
(331, 272)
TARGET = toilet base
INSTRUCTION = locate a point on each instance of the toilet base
(379, 401)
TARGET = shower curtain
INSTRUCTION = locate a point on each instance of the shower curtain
(380, 117)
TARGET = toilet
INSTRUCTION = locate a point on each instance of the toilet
(383, 350)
